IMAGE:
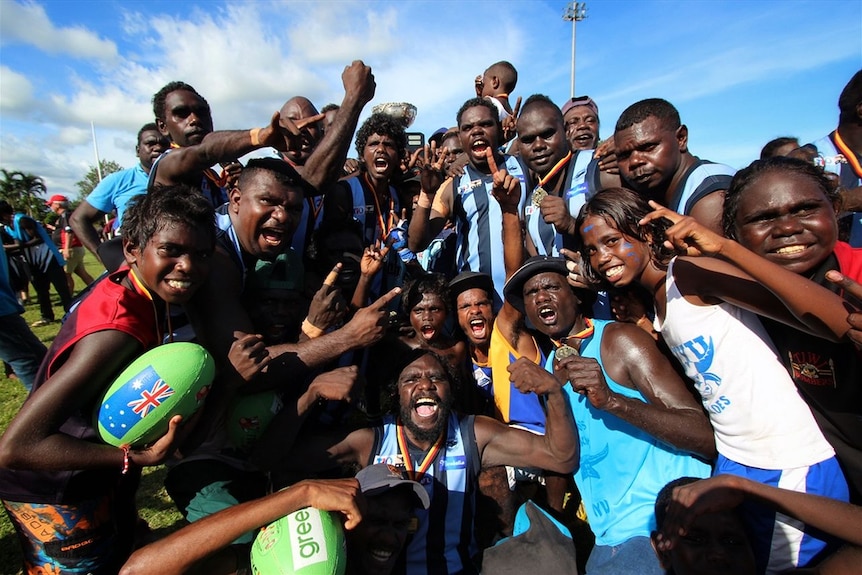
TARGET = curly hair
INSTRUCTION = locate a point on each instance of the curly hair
(161, 96)
(149, 213)
(414, 289)
(745, 177)
(474, 102)
(385, 125)
(651, 107)
(624, 209)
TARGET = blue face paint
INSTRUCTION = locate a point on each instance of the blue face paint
(587, 228)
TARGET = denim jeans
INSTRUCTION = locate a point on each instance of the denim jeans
(632, 557)
(20, 348)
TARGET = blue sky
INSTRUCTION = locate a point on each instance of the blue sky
(741, 73)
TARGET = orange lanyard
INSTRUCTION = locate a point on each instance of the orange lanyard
(405, 453)
(848, 154)
(583, 334)
(315, 204)
(555, 170)
(383, 227)
(142, 289)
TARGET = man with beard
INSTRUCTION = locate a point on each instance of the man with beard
(561, 179)
(445, 451)
(115, 191)
(467, 199)
(654, 160)
(638, 424)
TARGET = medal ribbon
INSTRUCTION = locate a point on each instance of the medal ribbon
(142, 289)
(848, 154)
(383, 227)
(405, 453)
(314, 206)
(583, 334)
(559, 166)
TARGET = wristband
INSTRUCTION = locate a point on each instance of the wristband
(125, 449)
(255, 136)
(311, 330)
(424, 201)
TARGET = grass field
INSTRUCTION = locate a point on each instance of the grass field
(153, 502)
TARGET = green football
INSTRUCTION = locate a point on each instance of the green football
(171, 379)
(305, 542)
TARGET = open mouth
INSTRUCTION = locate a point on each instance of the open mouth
(479, 147)
(547, 314)
(427, 332)
(614, 272)
(478, 328)
(179, 284)
(272, 237)
(426, 406)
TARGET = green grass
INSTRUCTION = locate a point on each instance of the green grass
(154, 505)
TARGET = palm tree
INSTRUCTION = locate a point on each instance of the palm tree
(24, 191)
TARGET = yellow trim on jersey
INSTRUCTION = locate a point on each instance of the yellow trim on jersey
(498, 357)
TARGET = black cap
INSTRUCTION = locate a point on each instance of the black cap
(513, 291)
(469, 280)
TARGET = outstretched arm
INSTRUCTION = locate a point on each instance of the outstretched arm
(227, 146)
(818, 310)
(557, 450)
(183, 549)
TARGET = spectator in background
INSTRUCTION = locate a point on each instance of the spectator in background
(42, 256)
(115, 191)
(70, 245)
(779, 147)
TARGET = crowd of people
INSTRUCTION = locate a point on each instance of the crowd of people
(514, 336)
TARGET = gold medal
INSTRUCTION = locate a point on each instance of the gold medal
(565, 351)
(538, 195)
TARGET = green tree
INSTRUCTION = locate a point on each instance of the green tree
(25, 191)
(91, 178)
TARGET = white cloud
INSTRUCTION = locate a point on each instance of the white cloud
(16, 92)
(29, 24)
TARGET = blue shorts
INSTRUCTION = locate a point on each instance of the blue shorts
(778, 541)
(88, 537)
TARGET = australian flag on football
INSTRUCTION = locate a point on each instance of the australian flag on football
(133, 401)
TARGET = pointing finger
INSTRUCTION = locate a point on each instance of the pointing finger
(300, 124)
(492, 163)
(332, 277)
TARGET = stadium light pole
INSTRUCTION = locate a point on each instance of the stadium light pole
(574, 13)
